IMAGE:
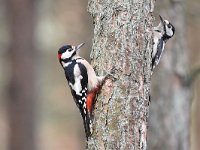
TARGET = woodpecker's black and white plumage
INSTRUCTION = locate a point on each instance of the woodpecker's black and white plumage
(82, 80)
(164, 31)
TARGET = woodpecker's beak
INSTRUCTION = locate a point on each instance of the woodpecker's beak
(79, 46)
(160, 26)
(161, 19)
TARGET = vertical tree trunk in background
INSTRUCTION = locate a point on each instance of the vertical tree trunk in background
(21, 91)
(170, 107)
(121, 46)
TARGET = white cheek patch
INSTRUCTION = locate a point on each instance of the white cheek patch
(77, 85)
(169, 31)
(67, 54)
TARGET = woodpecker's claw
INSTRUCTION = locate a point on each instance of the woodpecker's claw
(110, 76)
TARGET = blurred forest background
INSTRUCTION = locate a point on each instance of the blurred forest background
(36, 108)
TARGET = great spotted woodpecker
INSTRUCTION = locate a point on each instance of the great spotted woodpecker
(82, 80)
(164, 31)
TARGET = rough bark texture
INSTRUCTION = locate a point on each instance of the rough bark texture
(21, 88)
(171, 95)
(121, 46)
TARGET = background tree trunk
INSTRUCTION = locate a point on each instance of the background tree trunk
(122, 46)
(21, 89)
(171, 95)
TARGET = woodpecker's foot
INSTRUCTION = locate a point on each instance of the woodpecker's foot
(110, 76)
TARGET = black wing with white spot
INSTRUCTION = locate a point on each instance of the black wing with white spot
(77, 77)
(158, 54)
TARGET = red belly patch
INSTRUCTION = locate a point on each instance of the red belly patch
(90, 99)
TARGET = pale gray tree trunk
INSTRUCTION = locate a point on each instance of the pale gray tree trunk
(171, 93)
(121, 46)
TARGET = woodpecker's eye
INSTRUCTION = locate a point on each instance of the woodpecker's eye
(70, 49)
(169, 26)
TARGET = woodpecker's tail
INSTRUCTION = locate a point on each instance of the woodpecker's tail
(87, 124)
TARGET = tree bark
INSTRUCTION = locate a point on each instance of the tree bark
(121, 46)
(171, 94)
(21, 88)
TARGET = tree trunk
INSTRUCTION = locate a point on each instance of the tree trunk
(171, 96)
(121, 46)
(21, 88)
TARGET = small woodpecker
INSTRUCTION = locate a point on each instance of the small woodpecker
(162, 33)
